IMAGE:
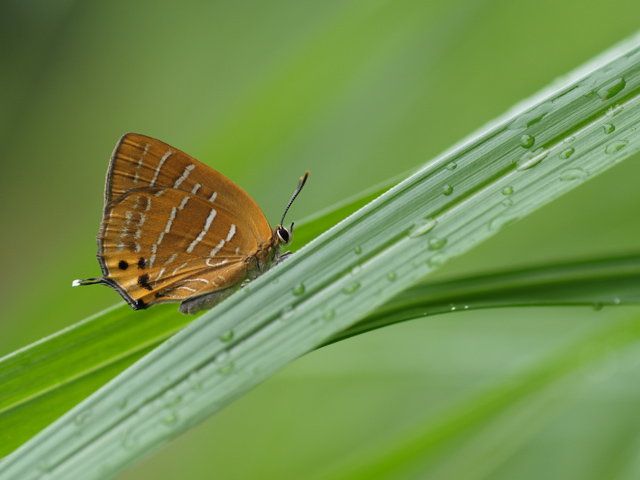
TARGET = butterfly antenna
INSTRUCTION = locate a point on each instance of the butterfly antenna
(87, 281)
(301, 183)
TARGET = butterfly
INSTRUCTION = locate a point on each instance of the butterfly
(176, 230)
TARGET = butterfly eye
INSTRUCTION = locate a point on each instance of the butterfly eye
(283, 235)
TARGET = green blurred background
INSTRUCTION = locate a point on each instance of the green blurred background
(357, 92)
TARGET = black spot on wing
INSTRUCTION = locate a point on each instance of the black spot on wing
(143, 281)
(142, 263)
(123, 265)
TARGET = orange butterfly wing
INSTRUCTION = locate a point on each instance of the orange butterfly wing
(165, 245)
(139, 161)
(174, 228)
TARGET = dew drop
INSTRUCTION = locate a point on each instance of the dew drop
(507, 202)
(611, 89)
(226, 370)
(358, 250)
(615, 146)
(227, 336)
(536, 119)
(615, 110)
(175, 402)
(329, 315)
(355, 270)
(170, 419)
(597, 306)
(507, 190)
(608, 128)
(436, 243)
(81, 417)
(531, 159)
(351, 288)
(527, 141)
(502, 221)
(392, 276)
(574, 174)
(567, 153)
(447, 190)
(222, 356)
(569, 139)
(287, 312)
(299, 289)
(422, 227)
(437, 260)
(451, 166)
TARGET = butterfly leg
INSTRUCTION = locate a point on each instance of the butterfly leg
(282, 257)
(209, 300)
(277, 260)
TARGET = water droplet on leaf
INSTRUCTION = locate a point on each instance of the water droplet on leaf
(287, 312)
(527, 141)
(329, 315)
(226, 370)
(615, 146)
(351, 288)
(422, 227)
(567, 153)
(170, 419)
(437, 260)
(226, 336)
(81, 417)
(574, 174)
(436, 243)
(611, 89)
(502, 221)
(531, 159)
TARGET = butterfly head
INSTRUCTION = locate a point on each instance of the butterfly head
(283, 235)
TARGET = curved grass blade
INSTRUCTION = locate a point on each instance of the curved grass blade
(597, 283)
